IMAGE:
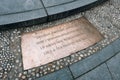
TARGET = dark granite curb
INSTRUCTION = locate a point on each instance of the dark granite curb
(82, 67)
(43, 12)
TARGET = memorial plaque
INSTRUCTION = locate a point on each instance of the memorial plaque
(50, 44)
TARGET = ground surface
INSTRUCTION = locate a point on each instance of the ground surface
(39, 11)
(98, 62)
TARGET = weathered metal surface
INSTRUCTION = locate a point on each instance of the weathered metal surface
(44, 46)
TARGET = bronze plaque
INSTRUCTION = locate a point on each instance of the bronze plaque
(47, 45)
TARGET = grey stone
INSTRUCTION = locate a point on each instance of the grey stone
(13, 6)
(15, 13)
(51, 3)
(89, 63)
(27, 12)
(20, 17)
(116, 45)
(68, 6)
(63, 74)
(65, 8)
(99, 73)
(23, 19)
(114, 66)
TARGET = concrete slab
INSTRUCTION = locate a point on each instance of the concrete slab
(63, 74)
(116, 45)
(18, 13)
(22, 19)
(15, 6)
(30, 12)
(99, 73)
(89, 63)
(51, 3)
(57, 9)
(114, 66)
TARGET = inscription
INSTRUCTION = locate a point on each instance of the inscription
(47, 45)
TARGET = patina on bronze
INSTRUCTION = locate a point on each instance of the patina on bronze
(44, 46)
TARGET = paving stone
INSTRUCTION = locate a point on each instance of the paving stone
(13, 6)
(116, 45)
(30, 12)
(51, 3)
(15, 13)
(66, 8)
(23, 19)
(87, 64)
(99, 73)
(63, 74)
(114, 66)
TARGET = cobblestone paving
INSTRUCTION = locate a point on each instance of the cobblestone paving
(105, 17)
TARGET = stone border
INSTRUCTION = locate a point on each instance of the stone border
(46, 14)
(95, 60)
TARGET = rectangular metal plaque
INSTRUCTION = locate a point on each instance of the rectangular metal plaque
(47, 45)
